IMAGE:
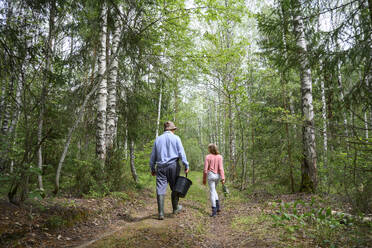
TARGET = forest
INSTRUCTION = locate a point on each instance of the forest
(282, 87)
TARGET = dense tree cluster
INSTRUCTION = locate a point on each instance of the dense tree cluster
(282, 87)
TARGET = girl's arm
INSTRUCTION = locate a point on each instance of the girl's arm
(220, 168)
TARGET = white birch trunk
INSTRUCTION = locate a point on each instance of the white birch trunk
(232, 146)
(132, 165)
(216, 124)
(366, 111)
(48, 69)
(220, 124)
(324, 118)
(17, 111)
(308, 167)
(39, 151)
(159, 111)
(339, 79)
(6, 116)
(15, 119)
(111, 122)
(102, 92)
(69, 136)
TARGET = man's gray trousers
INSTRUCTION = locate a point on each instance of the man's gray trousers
(166, 174)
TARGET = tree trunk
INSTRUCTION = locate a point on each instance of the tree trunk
(175, 107)
(285, 97)
(112, 85)
(5, 95)
(308, 167)
(253, 160)
(6, 110)
(102, 93)
(244, 165)
(159, 110)
(231, 139)
(69, 136)
(339, 80)
(324, 131)
(132, 165)
(200, 140)
(15, 119)
(44, 90)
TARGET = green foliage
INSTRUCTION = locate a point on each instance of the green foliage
(320, 223)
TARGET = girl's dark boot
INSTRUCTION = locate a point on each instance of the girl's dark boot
(214, 212)
(218, 206)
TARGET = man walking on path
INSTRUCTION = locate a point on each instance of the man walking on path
(166, 152)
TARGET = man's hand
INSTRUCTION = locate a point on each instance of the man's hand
(187, 171)
(153, 173)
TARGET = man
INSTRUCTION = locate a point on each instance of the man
(166, 152)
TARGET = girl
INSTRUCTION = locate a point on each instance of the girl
(213, 171)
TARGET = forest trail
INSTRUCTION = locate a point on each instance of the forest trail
(238, 225)
(246, 220)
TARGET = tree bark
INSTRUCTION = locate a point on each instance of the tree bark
(69, 136)
(339, 80)
(285, 97)
(324, 131)
(111, 122)
(308, 167)
(6, 110)
(253, 160)
(132, 164)
(44, 90)
(102, 93)
(159, 110)
(231, 114)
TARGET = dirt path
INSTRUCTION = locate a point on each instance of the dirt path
(246, 220)
(191, 228)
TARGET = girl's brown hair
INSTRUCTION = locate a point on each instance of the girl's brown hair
(212, 148)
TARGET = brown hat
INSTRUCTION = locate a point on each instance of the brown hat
(168, 126)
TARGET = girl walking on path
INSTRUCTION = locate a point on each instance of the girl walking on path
(213, 171)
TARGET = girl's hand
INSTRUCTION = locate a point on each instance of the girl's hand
(204, 182)
(223, 181)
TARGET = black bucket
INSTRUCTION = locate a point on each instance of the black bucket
(182, 185)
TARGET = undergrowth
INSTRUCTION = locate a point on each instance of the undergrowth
(327, 228)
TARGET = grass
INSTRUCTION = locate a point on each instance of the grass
(197, 191)
(247, 222)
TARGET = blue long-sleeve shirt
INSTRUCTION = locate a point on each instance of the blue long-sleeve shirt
(167, 149)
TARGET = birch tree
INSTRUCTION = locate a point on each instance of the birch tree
(102, 91)
(308, 166)
(111, 122)
(45, 85)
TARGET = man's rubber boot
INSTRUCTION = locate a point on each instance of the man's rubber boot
(160, 199)
(218, 206)
(175, 198)
(214, 212)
